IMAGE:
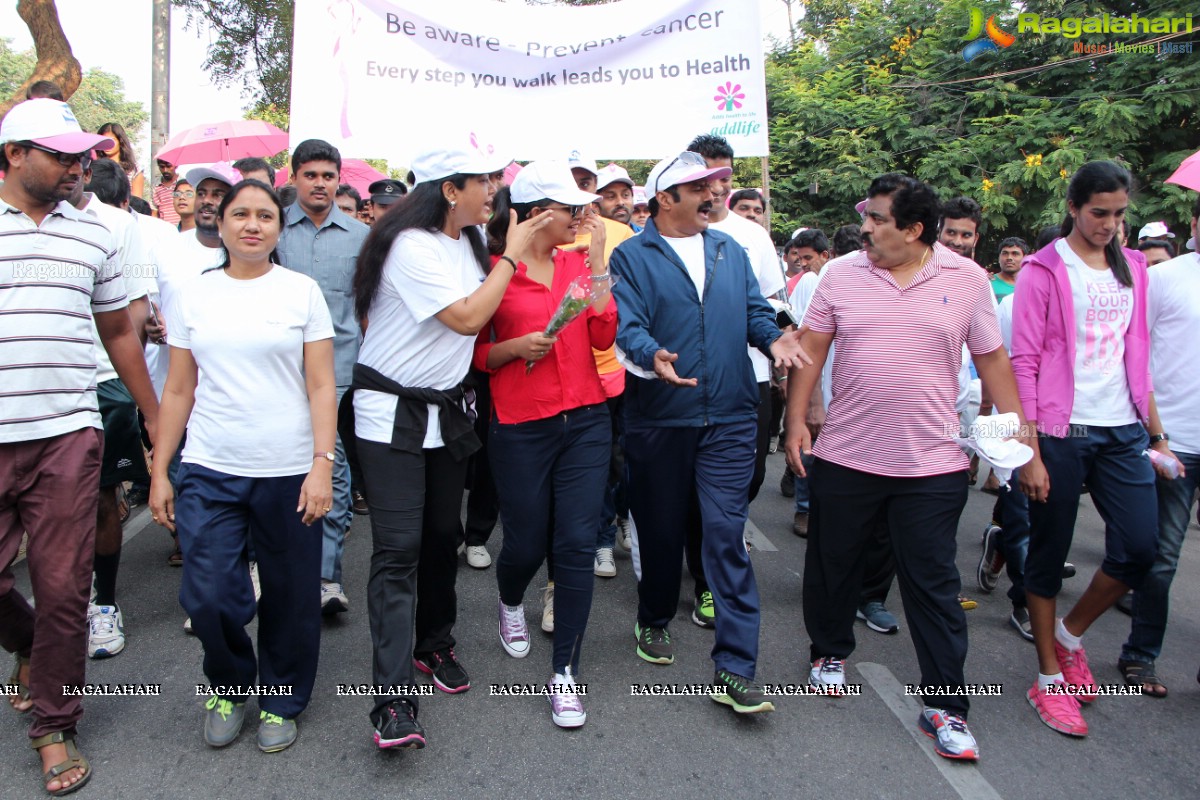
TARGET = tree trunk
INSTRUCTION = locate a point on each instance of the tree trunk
(55, 61)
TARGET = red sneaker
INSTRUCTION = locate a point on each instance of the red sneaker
(1058, 709)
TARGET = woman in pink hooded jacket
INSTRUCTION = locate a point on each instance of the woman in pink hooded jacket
(1081, 359)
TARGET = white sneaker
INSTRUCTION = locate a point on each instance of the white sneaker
(605, 566)
(623, 536)
(254, 581)
(566, 707)
(187, 627)
(477, 556)
(548, 608)
(333, 599)
(829, 675)
(514, 633)
(106, 634)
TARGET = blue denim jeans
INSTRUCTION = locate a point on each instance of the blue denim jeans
(1014, 536)
(1150, 602)
(337, 522)
(801, 484)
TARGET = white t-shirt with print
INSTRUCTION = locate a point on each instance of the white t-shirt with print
(1103, 311)
(424, 273)
(251, 417)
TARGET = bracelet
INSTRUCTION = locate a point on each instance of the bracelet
(510, 261)
(603, 277)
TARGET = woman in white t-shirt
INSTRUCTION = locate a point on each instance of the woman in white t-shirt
(1081, 359)
(251, 378)
(424, 291)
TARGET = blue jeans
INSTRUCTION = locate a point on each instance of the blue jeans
(549, 477)
(1150, 602)
(615, 503)
(1014, 536)
(801, 484)
(1121, 480)
(337, 521)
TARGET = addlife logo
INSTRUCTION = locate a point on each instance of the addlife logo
(980, 43)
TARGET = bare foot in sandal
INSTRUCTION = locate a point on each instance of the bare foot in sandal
(1137, 673)
(20, 701)
(63, 768)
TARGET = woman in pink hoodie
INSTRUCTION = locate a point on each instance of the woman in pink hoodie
(1081, 359)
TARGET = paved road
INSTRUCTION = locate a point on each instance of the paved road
(634, 746)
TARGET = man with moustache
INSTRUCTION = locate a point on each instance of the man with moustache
(163, 194)
(322, 242)
(689, 305)
(958, 228)
(1012, 251)
(60, 272)
(615, 188)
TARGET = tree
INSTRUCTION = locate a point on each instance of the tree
(54, 60)
(882, 85)
(99, 98)
(253, 46)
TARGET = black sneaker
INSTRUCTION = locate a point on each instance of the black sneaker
(1019, 619)
(1068, 570)
(654, 644)
(741, 694)
(396, 726)
(448, 675)
(991, 561)
(787, 484)
(359, 504)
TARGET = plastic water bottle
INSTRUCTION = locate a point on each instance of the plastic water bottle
(1168, 463)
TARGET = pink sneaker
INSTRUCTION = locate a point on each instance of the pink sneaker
(1075, 670)
(1058, 709)
(514, 634)
(566, 708)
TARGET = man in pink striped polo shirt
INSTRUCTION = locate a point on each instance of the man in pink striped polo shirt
(900, 311)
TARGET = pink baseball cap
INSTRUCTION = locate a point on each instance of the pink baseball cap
(52, 124)
(222, 171)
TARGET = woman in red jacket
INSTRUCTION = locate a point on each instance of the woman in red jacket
(550, 433)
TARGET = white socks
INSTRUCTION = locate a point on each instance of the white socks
(1046, 681)
(1065, 637)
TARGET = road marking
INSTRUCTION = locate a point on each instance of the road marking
(756, 538)
(963, 777)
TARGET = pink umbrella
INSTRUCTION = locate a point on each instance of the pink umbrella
(1188, 173)
(224, 141)
(355, 172)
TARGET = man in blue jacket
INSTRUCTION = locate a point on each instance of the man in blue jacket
(689, 302)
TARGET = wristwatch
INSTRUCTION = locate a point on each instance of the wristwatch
(1160, 437)
(326, 456)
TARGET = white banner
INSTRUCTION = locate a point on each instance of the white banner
(630, 79)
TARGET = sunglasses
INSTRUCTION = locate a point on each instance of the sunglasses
(64, 159)
(686, 157)
(573, 210)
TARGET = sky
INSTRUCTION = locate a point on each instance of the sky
(121, 43)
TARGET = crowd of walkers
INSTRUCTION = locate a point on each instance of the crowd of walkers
(601, 365)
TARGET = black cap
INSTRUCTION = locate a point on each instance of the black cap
(387, 191)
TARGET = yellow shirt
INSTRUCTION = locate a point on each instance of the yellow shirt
(614, 233)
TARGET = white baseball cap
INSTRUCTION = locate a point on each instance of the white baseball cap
(639, 196)
(576, 160)
(683, 168)
(52, 124)
(222, 171)
(1155, 230)
(469, 158)
(549, 180)
(613, 173)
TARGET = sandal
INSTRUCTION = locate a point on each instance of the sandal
(74, 761)
(23, 694)
(966, 602)
(176, 557)
(1138, 673)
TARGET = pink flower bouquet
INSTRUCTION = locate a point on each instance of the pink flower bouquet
(582, 292)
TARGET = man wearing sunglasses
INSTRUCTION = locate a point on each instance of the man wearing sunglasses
(60, 270)
(690, 303)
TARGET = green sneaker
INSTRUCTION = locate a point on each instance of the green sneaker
(654, 644)
(222, 721)
(741, 694)
(275, 733)
(705, 615)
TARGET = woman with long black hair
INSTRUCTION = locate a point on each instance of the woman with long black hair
(1082, 361)
(550, 439)
(124, 155)
(424, 291)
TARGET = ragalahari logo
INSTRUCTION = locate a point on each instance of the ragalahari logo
(729, 96)
(980, 44)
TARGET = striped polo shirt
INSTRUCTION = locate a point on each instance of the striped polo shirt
(897, 358)
(52, 278)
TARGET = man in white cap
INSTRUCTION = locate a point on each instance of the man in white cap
(60, 270)
(615, 188)
(689, 304)
(641, 209)
(1154, 242)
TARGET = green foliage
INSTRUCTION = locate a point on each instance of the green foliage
(881, 85)
(99, 99)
